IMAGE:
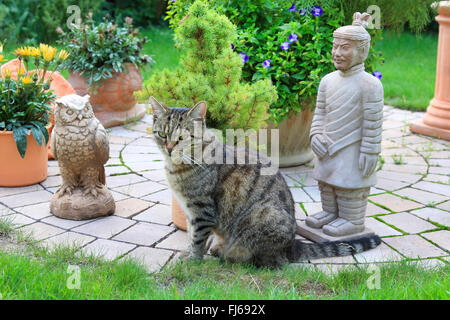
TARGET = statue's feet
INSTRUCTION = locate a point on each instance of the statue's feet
(65, 188)
(320, 219)
(342, 227)
(91, 190)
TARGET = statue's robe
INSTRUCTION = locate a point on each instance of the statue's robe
(348, 115)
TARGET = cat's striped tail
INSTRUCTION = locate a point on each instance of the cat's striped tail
(306, 251)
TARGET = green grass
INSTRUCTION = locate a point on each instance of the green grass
(162, 47)
(409, 72)
(35, 272)
(45, 275)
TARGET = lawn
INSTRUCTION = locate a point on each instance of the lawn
(33, 272)
(409, 72)
(47, 276)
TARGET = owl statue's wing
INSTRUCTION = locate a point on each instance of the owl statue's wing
(53, 144)
(101, 144)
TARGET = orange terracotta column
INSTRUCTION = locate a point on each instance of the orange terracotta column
(436, 121)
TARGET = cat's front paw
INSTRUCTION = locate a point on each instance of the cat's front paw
(190, 256)
(217, 251)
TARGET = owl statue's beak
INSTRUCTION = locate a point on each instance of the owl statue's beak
(80, 116)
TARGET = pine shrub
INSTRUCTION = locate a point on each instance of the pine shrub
(211, 71)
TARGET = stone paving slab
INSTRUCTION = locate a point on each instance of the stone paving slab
(105, 227)
(41, 231)
(408, 222)
(36, 211)
(164, 197)
(4, 191)
(423, 197)
(433, 214)
(109, 249)
(153, 259)
(20, 220)
(68, 239)
(176, 241)
(412, 195)
(145, 234)
(438, 188)
(383, 253)
(4, 210)
(142, 189)
(444, 206)
(130, 207)
(441, 238)
(414, 246)
(64, 223)
(394, 203)
(159, 213)
(15, 200)
(380, 228)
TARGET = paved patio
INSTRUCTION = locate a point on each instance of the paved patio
(409, 207)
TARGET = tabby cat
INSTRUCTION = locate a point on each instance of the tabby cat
(251, 215)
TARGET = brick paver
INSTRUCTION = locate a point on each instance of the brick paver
(412, 195)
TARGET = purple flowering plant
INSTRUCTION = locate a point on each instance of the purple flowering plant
(377, 74)
(244, 57)
(287, 41)
(317, 11)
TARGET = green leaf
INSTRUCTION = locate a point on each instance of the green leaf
(37, 134)
(20, 137)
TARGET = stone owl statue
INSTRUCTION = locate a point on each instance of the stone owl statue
(80, 144)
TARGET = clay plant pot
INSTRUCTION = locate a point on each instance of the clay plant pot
(16, 171)
(294, 144)
(58, 85)
(178, 216)
(112, 99)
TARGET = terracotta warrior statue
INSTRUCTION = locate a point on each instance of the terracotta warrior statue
(346, 133)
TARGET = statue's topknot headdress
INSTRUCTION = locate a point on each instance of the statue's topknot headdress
(357, 31)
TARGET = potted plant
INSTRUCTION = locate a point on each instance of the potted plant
(104, 62)
(290, 43)
(211, 71)
(25, 111)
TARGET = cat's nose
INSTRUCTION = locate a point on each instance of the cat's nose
(170, 145)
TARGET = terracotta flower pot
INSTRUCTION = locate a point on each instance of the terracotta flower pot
(16, 171)
(178, 216)
(294, 144)
(113, 99)
(58, 85)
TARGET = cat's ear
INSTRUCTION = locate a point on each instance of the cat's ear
(198, 111)
(158, 109)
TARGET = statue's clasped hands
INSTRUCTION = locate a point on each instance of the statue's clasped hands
(367, 163)
(319, 146)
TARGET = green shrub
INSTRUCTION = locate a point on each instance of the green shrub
(264, 27)
(36, 20)
(211, 71)
(143, 12)
(98, 50)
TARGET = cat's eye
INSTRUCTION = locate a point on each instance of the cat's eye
(162, 134)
